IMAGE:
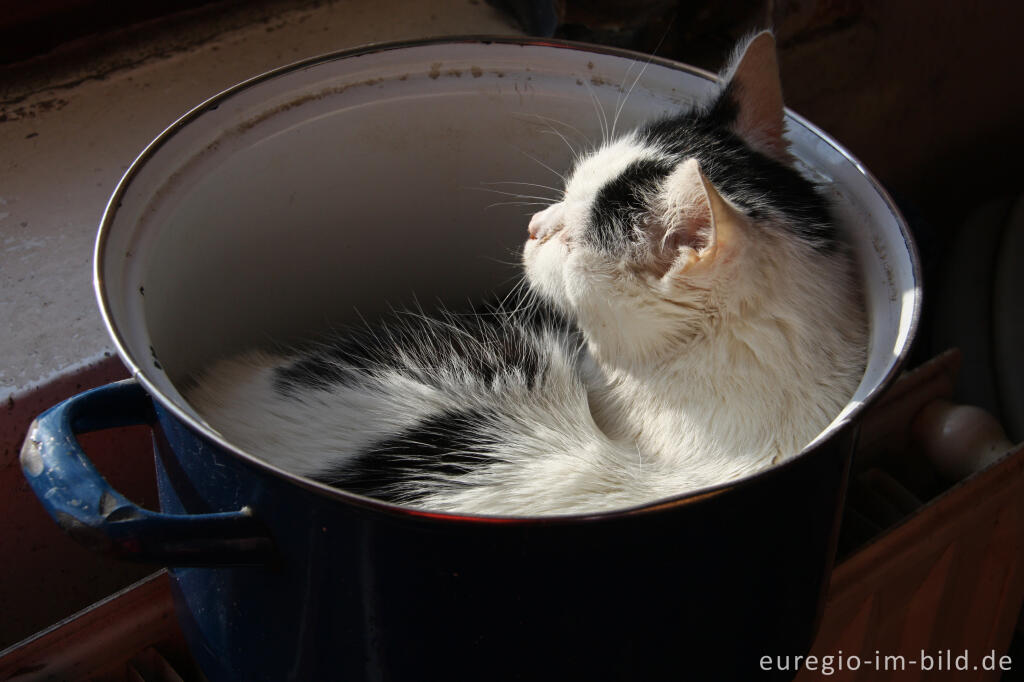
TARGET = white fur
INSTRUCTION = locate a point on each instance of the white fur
(711, 372)
(552, 457)
(720, 348)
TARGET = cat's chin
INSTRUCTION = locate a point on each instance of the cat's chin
(544, 263)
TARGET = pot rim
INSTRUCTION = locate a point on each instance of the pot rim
(138, 373)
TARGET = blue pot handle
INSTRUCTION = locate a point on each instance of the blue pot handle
(85, 506)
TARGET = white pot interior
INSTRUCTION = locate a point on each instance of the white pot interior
(347, 186)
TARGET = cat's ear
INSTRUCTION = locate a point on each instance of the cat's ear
(701, 225)
(753, 84)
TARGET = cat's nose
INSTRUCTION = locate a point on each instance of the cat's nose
(545, 222)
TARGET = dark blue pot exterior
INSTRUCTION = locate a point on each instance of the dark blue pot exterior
(690, 590)
(279, 579)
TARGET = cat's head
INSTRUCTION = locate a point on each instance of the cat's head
(661, 232)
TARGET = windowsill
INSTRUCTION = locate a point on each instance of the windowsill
(68, 141)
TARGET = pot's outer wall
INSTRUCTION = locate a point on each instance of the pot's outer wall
(695, 590)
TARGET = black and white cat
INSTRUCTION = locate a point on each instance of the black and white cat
(696, 320)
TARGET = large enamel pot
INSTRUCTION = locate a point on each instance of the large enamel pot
(274, 210)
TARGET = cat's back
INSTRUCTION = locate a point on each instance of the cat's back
(416, 399)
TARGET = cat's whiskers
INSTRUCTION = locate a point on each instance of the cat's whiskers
(517, 195)
(602, 117)
(508, 263)
(516, 203)
(587, 143)
(521, 281)
(544, 165)
(551, 130)
(572, 150)
(620, 100)
(525, 199)
(525, 299)
(625, 98)
(527, 184)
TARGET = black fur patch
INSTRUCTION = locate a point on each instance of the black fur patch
(487, 345)
(444, 446)
(758, 184)
(621, 202)
(315, 371)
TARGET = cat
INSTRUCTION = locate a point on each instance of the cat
(694, 317)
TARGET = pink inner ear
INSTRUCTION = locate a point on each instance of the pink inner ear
(692, 229)
(687, 219)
